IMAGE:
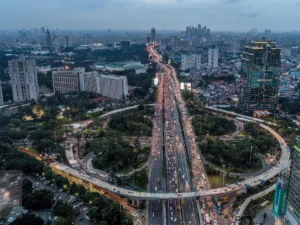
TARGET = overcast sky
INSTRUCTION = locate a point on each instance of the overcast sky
(219, 15)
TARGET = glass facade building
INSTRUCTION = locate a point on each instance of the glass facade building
(260, 72)
(292, 213)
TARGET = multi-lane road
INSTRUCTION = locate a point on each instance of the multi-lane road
(156, 180)
(176, 136)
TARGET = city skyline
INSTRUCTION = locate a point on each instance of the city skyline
(220, 15)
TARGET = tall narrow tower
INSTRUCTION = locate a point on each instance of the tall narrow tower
(260, 71)
(48, 39)
(153, 35)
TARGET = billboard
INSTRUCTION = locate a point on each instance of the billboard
(186, 86)
(155, 81)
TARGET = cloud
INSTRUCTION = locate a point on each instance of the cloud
(252, 15)
(231, 1)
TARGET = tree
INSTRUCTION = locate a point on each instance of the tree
(93, 212)
(63, 221)
(292, 140)
(28, 220)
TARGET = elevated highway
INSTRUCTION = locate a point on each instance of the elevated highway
(89, 181)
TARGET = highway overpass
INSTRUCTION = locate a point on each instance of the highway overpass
(89, 181)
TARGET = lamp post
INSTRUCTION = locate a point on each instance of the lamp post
(223, 174)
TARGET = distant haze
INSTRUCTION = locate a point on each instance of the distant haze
(219, 15)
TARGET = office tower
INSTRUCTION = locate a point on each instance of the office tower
(43, 30)
(279, 204)
(260, 71)
(199, 29)
(148, 40)
(175, 41)
(48, 39)
(208, 31)
(188, 31)
(23, 75)
(192, 61)
(291, 215)
(35, 31)
(242, 44)
(163, 44)
(1, 95)
(68, 81)
(204, 30)
(114, 86)
(213, 57)
(153, 35)
(56, 46)
(268, 33)
(67, 44)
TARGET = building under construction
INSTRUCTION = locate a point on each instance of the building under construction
(260, 71)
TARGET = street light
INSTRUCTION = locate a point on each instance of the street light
(223, 174)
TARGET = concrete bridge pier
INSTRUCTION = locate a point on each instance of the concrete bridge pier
(137, 203)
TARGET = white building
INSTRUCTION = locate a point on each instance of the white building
(24, 82)
(192, 61)
(213, 57)
(113, 86)
(1, 95)
(67, 81)
(107, 85)
(92, 82)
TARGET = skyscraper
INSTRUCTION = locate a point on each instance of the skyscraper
(43, 30)
(260, 71)
(24, 81)
(192, 61)
(290, 209)
(48, 39)
(153, 35)
(56, 45)
(213, 57)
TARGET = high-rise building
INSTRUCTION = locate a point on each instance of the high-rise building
(199, 29)
(242, 44)
(163, 44)
(23, 78)
(153, 35)
(188, 31)
(268, 33)
(48, 39)
(175, 41)
(148, 40)
(213, 57)
(43, 30)
(67, 44)
(260, 71)
(1, 95)
(289, 213)
(68, 81)
(56, 45)
(192, 61)
(114, 86)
